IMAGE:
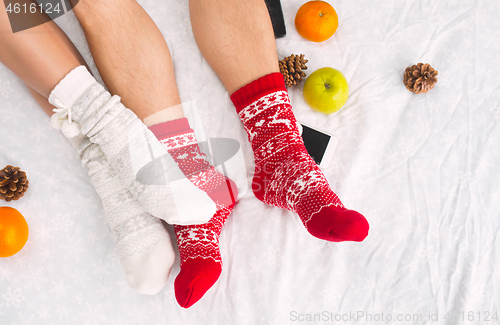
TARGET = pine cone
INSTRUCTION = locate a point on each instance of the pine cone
(291, 67)
(420, 78)
(13, 183)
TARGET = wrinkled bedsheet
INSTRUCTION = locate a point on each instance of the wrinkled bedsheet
(424, 170)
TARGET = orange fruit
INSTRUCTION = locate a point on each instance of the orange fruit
(13, 231)
(316, 21)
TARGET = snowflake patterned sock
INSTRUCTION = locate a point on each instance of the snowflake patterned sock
(143, 244)
(285, 175)
(201, 263)
(143, 163)
(181, 144)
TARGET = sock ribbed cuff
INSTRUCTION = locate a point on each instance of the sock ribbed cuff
(72, 86)
(248, 94)
(171, 128)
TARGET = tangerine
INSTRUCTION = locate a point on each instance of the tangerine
(316, 21)
(13, 231)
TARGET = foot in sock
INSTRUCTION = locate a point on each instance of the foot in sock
(201, 263)
(285, 175)
(143, 244)
(131, 149)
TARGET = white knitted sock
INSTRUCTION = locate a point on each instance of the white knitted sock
(143, 244)
(141, 161)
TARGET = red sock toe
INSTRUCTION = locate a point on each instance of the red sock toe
(201, 263)
(336, 225)
(285, 174)
(195, 278)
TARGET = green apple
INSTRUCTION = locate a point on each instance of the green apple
(326, 90)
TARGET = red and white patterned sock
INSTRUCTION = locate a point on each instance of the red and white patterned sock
(285, 174)
(201, 263)
(181, 144)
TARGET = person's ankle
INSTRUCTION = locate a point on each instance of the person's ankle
(169, 114)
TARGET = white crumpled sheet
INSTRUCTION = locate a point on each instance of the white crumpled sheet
(424, 170)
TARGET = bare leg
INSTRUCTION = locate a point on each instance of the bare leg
(40, 56)
(121, 36)
(129, 50)
(41, 101)
(236, 38)
(132, 56)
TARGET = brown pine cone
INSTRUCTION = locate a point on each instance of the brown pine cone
(420, 78)
(13, 183)
(291, 68)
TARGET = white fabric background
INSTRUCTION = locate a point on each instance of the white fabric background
(423, 169)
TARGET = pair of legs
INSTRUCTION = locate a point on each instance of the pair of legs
(122, 38)
(134, 60)
(237, 40)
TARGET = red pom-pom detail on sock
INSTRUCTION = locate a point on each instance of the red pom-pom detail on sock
(285, 174)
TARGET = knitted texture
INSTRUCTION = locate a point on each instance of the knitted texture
(143, 164)
(201, 263)
(285, 175)
(181, 144)
(143, 244)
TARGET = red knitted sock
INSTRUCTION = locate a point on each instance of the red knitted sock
(285, 175)
(201, 263)
(181, 144)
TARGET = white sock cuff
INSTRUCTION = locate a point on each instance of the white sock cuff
(72, 86)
